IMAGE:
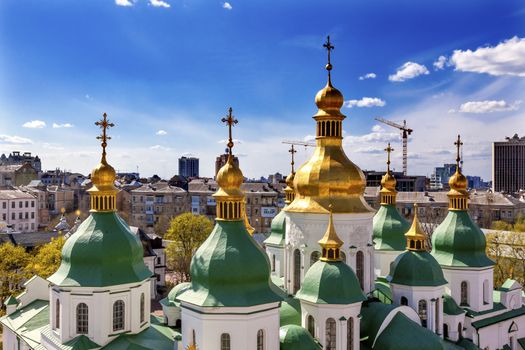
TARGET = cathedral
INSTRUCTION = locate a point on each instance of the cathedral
(335, 274)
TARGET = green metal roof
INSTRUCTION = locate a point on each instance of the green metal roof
(414, 268)
(102, 252)
(373, 314)
(499, 318)
(276, 237)
(330, 282)
(389, 229)
(458, 242)
(230, 269)
(11, 300)
(28, 320)
(290, 312)
(450, 307)
(81, 343)
(382, 290)
(294, 337)
(172, 298)
(467, 344)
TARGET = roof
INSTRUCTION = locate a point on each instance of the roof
(450, 307)
(15, 194)
(382, 290)
(330, 282)
(11, 300)
(230, 269)
(294, 337)
(157, 336)
(172, 298)
(290, 312)
(389, 229)
(277, 234)
(28, 239)
(416, 268)
(499, 318)
(27, 321)
(158, 187)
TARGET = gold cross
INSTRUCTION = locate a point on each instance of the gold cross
(329, 47)
(104, 124)
(388, 150)
(230, 121)
(458, 145)
(292, 151)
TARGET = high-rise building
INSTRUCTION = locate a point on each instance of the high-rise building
(222, 159)
(508, 164)
(189, 166)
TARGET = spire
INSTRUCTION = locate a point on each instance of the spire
(103, 193)
(289, 190)
(416, 238)
(388, 191)
(330, 243)
(329, 47)
(229, 197)
(458, 194)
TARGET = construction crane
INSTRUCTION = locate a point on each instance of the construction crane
(405, 131)
(299, 143)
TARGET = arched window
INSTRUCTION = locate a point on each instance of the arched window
(225, 341)
(464, 293)
(260, 339)
(296, 270)
(193, 338)
(142, 307)
(311, 325)
(82, 318)
(330, 334)
(460, 330)
(118, 315)
(486, 298)
(445, 330)
(436, 313)
(343, 256)
(350, 334)
(359, 267)
(422, 311)
(273, 262)
(314, 257)
(404, 301)
(57, 314)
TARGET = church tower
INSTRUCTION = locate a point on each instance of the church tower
(230, 303)
(102, 287)
(459, 246)
(328, 178)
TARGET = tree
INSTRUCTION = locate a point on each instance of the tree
(13, 261)
(507, 251)
(162, 225)
(47, 258)
(186, 233)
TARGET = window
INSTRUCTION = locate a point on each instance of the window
(57, 314)
(273, 262)
(464, 293)
(20, 215)
(350, 334)
(13, 216)
(445, 331)
(486, 298)
(330, 334)
(422, 311)
(404, 301)
(82, 318)
(296, 270)
(32, 204)
(460, 330)
(118, 315)
(314, 257)
(27, 204)
(142, 307)
(359, 267)
(225, 341)
(311, 325)
(32, 215)
(26, 215)
(20, 204)
(13, 205)
(260, 339)
(4, 205)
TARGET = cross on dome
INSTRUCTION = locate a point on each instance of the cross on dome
(292, 151)
(458, 145)
(104, 124)
(230, 121)
(329, 47)
(388, 150)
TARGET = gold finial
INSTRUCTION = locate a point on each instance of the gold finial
(329, 47)
(388, 182)
(416, 238)
(292, 151)
(458, 145)
(388, 150)
(289, 190)
(458, 194)
(331, 243)
(62, 210)
(230, 121)
(104, 124)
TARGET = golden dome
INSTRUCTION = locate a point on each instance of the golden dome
(289, 180)
(103, 176)
(230, 178)
(329, 100)
(458, 181)
(388, 182)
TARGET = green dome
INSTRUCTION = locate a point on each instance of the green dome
(102, 252)
(414, 268)
(230, 269)
(389, 229)
(294, 337)
(450, 307)
(172, 299)
(290, 312)
(458, 242)
(330, 282)
(276, 237)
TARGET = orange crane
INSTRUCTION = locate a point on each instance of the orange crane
(405, 131)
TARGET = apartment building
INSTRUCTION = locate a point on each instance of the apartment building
(19, 210)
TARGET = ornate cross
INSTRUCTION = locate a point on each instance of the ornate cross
(388, 150)
(329, 47)
(104, 124)
(458, 145)
(292, 151)
(230, 121)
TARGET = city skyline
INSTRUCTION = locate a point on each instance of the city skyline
(166, 81)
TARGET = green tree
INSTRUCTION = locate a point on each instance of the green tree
(162, 225)
(47, 258)
(186, 233)
(501, 225)
(13, 262)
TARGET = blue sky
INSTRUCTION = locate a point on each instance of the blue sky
(167, 71)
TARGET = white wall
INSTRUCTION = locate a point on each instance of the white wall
(475, 278)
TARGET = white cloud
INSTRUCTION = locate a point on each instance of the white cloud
(15, 140)
(487, 106)
(368, 76)
(227, 6)
(159, 148)
(34, 124)
(440, 63)
(236, 141)
(125, 3)
(378, 134)
(506, 58)
(365, 102)
(378, 128)
(408, 71)
(65, 125)
(159, 3)
(52, 146)
(161, 132)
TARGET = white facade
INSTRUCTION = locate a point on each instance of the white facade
(304, 230)
(471, 287)
(276, 256)
(19, 209)
(382, 261)
(208, 326)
